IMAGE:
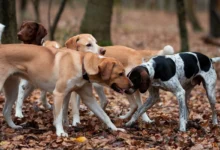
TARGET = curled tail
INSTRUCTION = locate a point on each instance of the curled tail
(215, 59)
(167, 50)
(1, 31)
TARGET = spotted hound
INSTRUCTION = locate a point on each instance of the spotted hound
(179, 74)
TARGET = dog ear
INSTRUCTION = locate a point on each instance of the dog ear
(22, 25)
(105, 68)
(145, 81)
(91, 62)
(72, 42)
(41, 33)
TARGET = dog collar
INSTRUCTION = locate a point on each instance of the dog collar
(84, 73)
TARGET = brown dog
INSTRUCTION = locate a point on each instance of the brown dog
(32, 33)
(63, 72)
(130, 58)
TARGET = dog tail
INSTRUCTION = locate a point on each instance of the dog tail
(215, 59)
(167, 50)
(1, 31)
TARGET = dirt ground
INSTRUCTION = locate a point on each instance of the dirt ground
(139, 29)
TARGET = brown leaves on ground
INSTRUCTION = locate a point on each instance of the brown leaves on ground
(139, 29)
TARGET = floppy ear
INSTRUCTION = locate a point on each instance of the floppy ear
(91, 62)
(145, 82)
(72, 42)
(105, 68)
(41, 33)
(22, 24)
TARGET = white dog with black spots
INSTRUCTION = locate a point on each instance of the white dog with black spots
(179, 74)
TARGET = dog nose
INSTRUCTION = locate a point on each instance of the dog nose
(19, 35)
(102, 51)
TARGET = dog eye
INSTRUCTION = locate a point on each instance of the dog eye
(88, 45)
(121, 74)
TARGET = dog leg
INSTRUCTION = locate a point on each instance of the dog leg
(209, 85)
(153, 98)
(139, 102)
(65, 110)
(25, 88)
(187, 96)
(75, 101)
(133, 107)
(88, 99)
(43, 98)
(180, 95)
(58, 113)
(102, 98)
(11, 92)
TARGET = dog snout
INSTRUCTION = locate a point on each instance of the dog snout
(130, 83)
(102, 51)
(19, 34)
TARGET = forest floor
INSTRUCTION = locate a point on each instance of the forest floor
(140, 30)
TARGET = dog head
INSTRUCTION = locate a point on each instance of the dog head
(107, 71)
(84, 43)
(139, 76)
(31, 33)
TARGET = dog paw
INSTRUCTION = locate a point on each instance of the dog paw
(123, 117)
(48, 106)
(121, 130)
(19, 114)
(183, 129)
(146, 119)
(75, 122)
(61, 134)
(130, 123)
(91, 113)
(16, 127)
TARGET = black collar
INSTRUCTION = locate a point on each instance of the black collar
(84, 73)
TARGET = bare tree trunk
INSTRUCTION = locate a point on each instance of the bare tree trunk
(118, 11)
(214, 23)
(36, 4)
(214, 18)
(23, 7)
(8, 18)
(181, 14)
(190, 6)
(57, 18)
(97, 20)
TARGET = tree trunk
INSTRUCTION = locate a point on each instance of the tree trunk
(57, 18)
(36, 4)
(190, 6)
(214, 18)
(97, 20)
(181, 14)
(23, 7)
(8, 18)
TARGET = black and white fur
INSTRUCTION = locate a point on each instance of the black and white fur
(1, 31)
(179, 74)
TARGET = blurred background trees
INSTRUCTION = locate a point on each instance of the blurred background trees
(96, 17)
(8, 18)
(97, 20)
(181, 14)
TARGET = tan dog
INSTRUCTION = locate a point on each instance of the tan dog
(53, 44)
(32, 33)
(130, 58)
(62, 73)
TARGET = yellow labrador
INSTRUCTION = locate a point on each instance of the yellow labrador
(60, 72)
